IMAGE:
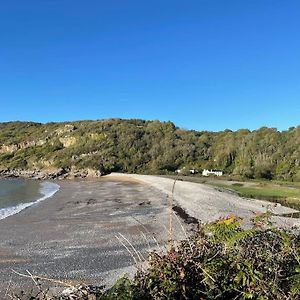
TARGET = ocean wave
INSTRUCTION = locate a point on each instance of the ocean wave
(47, 189)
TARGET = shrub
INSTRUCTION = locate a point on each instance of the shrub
(224, 261)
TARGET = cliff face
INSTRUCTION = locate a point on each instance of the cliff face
(41, 162)
(23, 145)
(147, 147)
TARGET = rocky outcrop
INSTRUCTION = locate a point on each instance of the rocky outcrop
(60, 173)
(68, 128)
(85, 173)
(8, 148)
(15, 147)
(6, 173)
(68, 141)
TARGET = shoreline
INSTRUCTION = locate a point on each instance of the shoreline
(257, 206)
(47, 190)
(161, 184)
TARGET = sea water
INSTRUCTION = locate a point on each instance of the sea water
(18, 194)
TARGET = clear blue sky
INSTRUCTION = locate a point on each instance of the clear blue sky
(203, 64)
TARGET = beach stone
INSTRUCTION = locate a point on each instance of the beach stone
(84, 292)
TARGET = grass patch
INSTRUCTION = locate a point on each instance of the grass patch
(267, 192)
(286, 196)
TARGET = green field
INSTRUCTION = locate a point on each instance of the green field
(284, 195)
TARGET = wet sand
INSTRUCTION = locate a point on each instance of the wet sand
(71, 236)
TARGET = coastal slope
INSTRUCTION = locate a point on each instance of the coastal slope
(94, 148)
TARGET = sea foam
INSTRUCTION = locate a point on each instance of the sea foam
(47, 189)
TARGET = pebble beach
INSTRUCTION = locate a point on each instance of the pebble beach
(78, 235)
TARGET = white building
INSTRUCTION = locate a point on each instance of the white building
(212, 172)
(183, 170)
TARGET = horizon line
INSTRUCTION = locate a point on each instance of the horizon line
(150, 120)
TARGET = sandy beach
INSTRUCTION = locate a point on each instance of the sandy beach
(72, 236)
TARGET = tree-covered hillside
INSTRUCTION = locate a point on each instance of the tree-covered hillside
(149, 147)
